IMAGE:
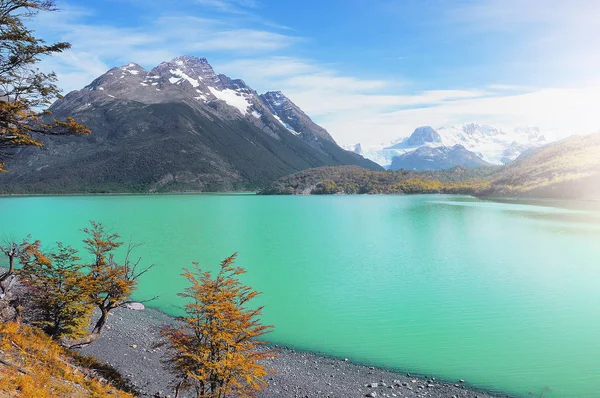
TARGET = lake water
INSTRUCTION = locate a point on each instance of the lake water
(504, 295)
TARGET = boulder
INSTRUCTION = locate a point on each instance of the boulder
(135, 306)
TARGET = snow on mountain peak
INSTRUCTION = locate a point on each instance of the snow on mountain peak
(276, 98)
(232, 98)
(187, 68)
(190, 60)
(132, 68)
(490, 143)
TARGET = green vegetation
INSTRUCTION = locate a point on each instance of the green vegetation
(356, 180)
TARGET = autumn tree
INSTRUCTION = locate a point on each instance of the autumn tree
(11, 249)
(214, 352)
(58, 293)
(25, 91)
(112, 282)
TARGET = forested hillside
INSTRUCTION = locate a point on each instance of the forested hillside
(356, 180)
(566, 169)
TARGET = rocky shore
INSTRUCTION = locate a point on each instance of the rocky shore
(126, 344)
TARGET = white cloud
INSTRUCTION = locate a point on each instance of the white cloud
(558, 112)
(362, 109)
(74, 70)
(163, 35)
(553, 38)
(374, 111)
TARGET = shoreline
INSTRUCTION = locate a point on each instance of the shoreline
(501, 199)
(127, 341)
(83, 194)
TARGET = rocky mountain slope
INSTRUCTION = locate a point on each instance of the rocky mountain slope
(490, 144)
(566, 169)
(177, 127)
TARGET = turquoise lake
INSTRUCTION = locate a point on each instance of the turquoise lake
(505, 295)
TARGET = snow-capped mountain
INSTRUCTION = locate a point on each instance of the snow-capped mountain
(489, 143)
(178, 126)
(437, 158)
(293, 118)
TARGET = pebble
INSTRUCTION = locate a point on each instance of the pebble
(298, 374)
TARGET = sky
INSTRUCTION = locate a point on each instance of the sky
(369, 71)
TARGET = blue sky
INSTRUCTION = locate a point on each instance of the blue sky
(368, 71)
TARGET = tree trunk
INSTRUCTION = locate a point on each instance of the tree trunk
(11, 262)
(82, 342)
(11, 269)
(101, 321)
(177, 389)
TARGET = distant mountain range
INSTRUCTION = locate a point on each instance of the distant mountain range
(437, 158)
(566, 169)
(478, 145)
(177, 127)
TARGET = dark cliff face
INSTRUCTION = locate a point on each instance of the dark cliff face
(177, 127)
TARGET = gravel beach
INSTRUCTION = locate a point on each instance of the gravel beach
(127, 341)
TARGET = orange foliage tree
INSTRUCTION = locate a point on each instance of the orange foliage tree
(24, 90)
(113, 282)
(215, 352)
(58, 297)
(62, 291)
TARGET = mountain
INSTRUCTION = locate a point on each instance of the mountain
(437, 158)
(565, 169)
(177, 127)
(421, 136)
(568, 169)
(489, 143)
(293, 118)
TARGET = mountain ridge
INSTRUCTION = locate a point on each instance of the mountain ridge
(491, 144)
(177, 127)
(567, 169)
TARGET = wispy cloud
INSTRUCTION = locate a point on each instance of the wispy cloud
(558, 112)
(551, 38)
(366, 108)
(99, 45)
(232, 6)
(374, 111)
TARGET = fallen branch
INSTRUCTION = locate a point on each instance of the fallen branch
(82, 342)
(2, 361)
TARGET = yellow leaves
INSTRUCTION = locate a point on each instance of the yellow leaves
(215, 351)
(51, 370)
(58, 302)
(25, 88)
(64, 291)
